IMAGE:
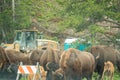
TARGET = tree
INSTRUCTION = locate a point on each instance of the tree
(5, 19)
(60, 14)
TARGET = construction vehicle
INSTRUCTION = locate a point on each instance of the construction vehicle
(27, 40)
(46, 42)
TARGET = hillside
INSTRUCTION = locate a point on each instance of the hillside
(61, 19)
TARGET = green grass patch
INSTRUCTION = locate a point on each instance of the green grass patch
(95, 76)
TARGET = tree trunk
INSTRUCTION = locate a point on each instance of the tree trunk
(4, 35)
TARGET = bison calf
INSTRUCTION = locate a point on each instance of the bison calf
(108, 70)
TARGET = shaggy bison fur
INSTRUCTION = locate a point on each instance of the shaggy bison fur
(12, 58)
(36, 54)
(16, 57)
(3, 59)
(48, 58)
(104, 54)
(50, 61)
(74, 65)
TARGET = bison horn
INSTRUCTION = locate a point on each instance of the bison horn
(47, 66)
(57, 74)
(97, 57)
(60, 75)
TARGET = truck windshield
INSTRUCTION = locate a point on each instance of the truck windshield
(18, 36)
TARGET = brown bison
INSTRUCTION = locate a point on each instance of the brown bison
(108, 70)
(75, 65)
(104, 54)
(16, 57)
(48, 58)
(3, 59)
(13, 58)
(36, 54)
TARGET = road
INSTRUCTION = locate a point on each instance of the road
(7, 76)
(10, 76)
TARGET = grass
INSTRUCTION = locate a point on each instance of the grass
(115, 77)
(95, 75)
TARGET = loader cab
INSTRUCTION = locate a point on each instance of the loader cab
(26, 39)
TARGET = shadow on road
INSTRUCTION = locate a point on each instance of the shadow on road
(7, 76)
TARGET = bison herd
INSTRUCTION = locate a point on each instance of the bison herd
(71, 64)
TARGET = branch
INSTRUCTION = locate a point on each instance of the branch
(111, 21)
(51, 33)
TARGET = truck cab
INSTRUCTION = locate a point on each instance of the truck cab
(26, 39)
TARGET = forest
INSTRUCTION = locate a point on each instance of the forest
(97, 20)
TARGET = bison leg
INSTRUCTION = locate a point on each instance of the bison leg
(69, 77)
(111, 76)
(49, 75)
(103, 75)
(1, 64)
(78, 78)
(4, 67)
(12, 68)
(100, 71)
(118, 66)
(89, 77)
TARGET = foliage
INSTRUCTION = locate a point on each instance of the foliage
(95, 28)
(78, 14)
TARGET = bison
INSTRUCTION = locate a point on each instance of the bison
(75, 65)
(104, 54)
(108, 70)
(36, 54)
(3, 59)
(48, 58)
(16, 57)
(12, 58)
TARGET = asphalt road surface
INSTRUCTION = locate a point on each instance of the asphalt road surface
(10, 76)
(7, 76)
